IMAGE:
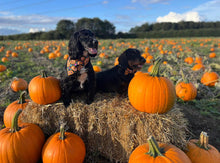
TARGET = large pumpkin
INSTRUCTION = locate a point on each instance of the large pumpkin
(12, 108)
(209, 78)
(186, 91)
(151, 93)
(21, 144)
(64, 147)
(200, 151)
(18, 84)
(153, 152)
(44, 89)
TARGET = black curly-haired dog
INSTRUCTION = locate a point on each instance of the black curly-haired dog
(117, 78)
(80, 74)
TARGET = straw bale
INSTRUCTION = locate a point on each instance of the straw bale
(110, 125)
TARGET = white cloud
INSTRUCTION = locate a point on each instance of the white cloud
(209, 10)
(33, 30)
(175, 17)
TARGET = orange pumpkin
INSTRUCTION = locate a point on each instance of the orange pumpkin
(97, 68)
(21, 143)
(12, 108)
(201, 151)
(65, 56)
(189, 60)
(44, 89)
(149, 59)
(116, 61)
(186, 91)
(150, 68)
(64, 147)
(18, 84)
(151, 93)
(198, 60)
(212, 55)
(209, 78)
(52, 56)
(14, 54)
(5, 59)
(198, 67)
(153, 152)
(30, 49)
(2, 68)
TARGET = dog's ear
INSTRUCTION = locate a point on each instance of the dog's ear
(74, 46)
(123, 60)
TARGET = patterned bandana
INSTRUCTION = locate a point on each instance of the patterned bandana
(76, 65)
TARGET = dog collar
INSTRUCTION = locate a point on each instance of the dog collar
(129, 71)
(76, 65)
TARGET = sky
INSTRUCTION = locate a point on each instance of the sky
(24, 16)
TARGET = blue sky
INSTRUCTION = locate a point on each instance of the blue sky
(24, 16)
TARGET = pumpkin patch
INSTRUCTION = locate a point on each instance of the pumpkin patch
(166, 100)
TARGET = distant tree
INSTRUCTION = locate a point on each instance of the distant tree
(103, 29)
(65, 28)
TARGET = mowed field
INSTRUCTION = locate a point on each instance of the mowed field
(183, 59)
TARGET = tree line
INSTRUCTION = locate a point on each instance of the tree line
(105, 29)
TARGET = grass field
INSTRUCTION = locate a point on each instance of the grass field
(203, 113)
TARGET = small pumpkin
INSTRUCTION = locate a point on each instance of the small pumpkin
(189, 60)
(212, 55)
(12, 108)
(97, 68)
(30, 49)
(209, 78)
(152, 93)
(149, 59)
(200, 151)
(153, 152)
(14, 54)
(186, 91)
(2, 68)
(21, 143)
(52, 56)
(5, 59)
(44, 89)
(65, 57)
(198, 67)
(18, 84)
(64, 147)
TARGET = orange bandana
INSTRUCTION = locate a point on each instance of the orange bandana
(76, 65)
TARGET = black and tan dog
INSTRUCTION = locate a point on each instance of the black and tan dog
(80, 74)
(117, 78)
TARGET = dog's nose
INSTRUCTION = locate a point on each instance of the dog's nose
(143, 60)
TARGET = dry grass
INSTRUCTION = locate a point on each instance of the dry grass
(110, 125)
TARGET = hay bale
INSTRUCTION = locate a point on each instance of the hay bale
(110, 125)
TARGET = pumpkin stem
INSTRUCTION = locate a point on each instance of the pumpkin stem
(155, 70)
(62, 131)
(203, 141)
(184, 77)
(154, 149)
(44, 74)
(21, 99)
(14, 125)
